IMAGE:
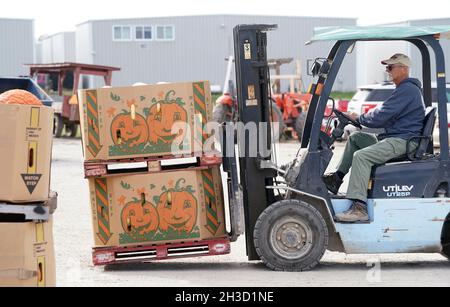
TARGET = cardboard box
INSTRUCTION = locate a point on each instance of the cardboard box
(157, 208)
(27, 257)
(145, 120)
(26, 134)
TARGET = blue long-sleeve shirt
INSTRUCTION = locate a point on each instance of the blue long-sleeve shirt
(402, 114)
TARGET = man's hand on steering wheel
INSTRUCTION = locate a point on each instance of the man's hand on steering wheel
(348, 118)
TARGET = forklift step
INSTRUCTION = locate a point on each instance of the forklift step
(143, 254)
(119, 167)
(359, 222)
(337, 196)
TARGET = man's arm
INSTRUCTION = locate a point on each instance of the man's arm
(391, 108)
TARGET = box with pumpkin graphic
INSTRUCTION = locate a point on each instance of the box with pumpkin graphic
(27, 257)
(158, 208)
(144, 121)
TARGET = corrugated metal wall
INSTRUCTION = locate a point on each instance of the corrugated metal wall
(69, 47)
(58, 48)
(38, 52)
(200, 47)
(16, 52)
(47, 50)
(84, 43)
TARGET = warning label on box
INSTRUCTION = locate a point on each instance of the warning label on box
(31, 181)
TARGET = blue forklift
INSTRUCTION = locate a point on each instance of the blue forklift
(289, 213)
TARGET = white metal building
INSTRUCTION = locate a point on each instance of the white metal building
(195, 47)
(370, 54)
(16, 46)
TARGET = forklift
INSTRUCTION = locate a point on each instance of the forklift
(289, 213)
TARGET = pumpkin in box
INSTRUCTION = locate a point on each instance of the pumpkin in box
(161, 118)
(177, 209)
(19, 97)
(128, 128)
(25, 150)
(139, 218)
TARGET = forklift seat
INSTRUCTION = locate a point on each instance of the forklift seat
(425, 144)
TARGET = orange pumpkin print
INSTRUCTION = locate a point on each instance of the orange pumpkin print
(19, 97)
(125, 129)
(161, 118)
(139, 218)
(177, 210)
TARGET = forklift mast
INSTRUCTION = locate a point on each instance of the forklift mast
(252, 85)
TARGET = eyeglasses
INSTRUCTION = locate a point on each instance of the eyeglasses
(391, 67)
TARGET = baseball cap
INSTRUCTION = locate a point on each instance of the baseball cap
(398, 58)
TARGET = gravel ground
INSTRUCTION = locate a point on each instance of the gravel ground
(73, 241)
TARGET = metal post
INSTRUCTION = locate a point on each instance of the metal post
(253, 95)
(442, 97)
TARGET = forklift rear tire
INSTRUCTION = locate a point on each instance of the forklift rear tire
(221, 113)
(300, 125)
(291, 235)
(58, 125)
(277, 119)
(445, 238)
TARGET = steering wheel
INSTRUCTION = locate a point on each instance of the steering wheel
(344, 118)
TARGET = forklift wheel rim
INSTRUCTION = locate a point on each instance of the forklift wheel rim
(291, 238)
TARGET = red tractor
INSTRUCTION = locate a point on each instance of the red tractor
(293, 108)
(288, 109)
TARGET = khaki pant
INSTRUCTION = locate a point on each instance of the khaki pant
(362, 151)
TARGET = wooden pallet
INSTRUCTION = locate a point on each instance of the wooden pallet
(120, 167)
(36, 211)
(141, 254)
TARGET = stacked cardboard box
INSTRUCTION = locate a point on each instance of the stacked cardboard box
(25, 152)
(26, 246)
(158, 208)
(150, 123)
(27, 256)
(144, 121)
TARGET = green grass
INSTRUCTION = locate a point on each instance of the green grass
(342, 95)
(214, 97)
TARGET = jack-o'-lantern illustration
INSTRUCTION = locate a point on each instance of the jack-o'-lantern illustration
(177, 209)
(161, 118)
(139, 218)
(126, 130)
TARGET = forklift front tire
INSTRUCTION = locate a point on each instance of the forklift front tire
(291, 235)
(446, 250)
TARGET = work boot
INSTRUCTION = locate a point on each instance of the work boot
(332, 182)
(356, 213)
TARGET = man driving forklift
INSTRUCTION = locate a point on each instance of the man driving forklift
(402, 116)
